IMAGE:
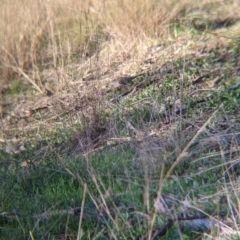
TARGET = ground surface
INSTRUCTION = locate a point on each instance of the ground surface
(144, 148)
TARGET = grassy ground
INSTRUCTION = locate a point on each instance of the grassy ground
(128, 118)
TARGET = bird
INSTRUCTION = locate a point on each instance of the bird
(14, 149)
(123, 81)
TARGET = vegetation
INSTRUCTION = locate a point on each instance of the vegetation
(119, 120)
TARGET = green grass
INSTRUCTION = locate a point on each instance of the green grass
(50, 188)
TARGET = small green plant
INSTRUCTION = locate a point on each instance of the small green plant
(230, 95)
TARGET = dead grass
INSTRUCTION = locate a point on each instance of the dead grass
(56, 33)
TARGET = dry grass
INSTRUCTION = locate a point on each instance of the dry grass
(53, 33)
